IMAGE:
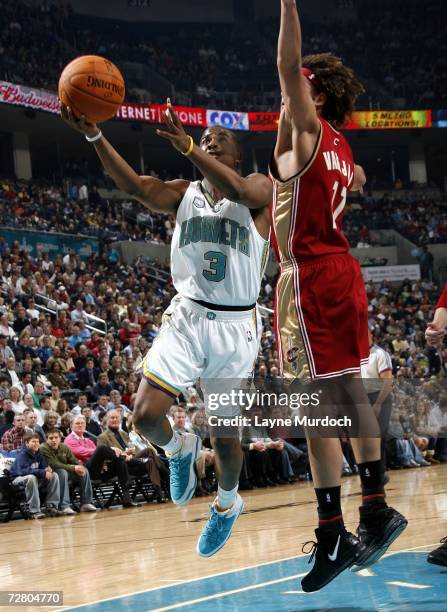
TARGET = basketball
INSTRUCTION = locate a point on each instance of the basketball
(92, 86)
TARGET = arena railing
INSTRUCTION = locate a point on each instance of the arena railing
(92, 322)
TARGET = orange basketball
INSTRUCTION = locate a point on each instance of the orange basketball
(92, 86)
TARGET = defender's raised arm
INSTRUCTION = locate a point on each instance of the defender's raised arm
(294, 84)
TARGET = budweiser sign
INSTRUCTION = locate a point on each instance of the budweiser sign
(29, 97)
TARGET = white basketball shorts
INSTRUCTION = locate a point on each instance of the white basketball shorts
(197, 343)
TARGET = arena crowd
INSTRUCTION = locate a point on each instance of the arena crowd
(64, 381)
(234, 65)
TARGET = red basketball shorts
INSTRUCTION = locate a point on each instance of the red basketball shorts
(321, 318)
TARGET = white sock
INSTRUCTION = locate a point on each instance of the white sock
(225, 499)
(174, 444)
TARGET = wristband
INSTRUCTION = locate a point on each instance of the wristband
(190, 148)
(93, 138)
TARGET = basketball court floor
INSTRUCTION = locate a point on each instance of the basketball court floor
(144, 558)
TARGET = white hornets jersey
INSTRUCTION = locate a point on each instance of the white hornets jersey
(217, 254)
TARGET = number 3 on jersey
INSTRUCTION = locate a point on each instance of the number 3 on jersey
(336, 212)
(218, 266)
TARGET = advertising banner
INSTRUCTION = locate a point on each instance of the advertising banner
(37, 99)
(263, 122)
(153, 113)
(227, 119)
(377, 274)
(361, 120)
(35, 242)
(390, 120)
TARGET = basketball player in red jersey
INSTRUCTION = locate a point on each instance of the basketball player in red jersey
(321, 303)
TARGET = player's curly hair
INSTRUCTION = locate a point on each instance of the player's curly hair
(338, 82)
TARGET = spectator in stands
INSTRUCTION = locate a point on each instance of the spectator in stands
(100, 408)
(75, 338)
(119, 382)
(88, 376)
(426, 260)
(31, 424)
(115, 402)
(102, 387)
(21, 321)
(11, 372)
(5, 328)
(92, 425)
(5, 351)
(425, 423)
(17, 404)
(26, 385)
(6, 420)
(13, 438)
(138, 463)
(269, 461)
(78, 313)
(65, 424)
(56, 377)
(94, 458)
(82, 403)
(50, 422)
(31, 311)
(62, 407)
(34, 329)
(31, 469)
(67, 467)
(45, 351)
(39, 393)
(55, 397)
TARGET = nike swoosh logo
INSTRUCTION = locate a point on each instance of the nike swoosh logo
(334, 554)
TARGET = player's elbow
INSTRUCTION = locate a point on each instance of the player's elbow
(135, 188)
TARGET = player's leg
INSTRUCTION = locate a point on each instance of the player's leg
(335, 549)
(379, 524)
(228, 504)
(234, 347)
(150, 409)
(173, 363)
(300, 300)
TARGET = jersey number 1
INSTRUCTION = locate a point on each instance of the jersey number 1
(336, 212)
(218, 266)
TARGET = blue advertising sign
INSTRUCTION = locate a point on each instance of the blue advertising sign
(35, 242)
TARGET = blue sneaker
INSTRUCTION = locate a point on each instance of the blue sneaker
(183, 479)
(218, 528)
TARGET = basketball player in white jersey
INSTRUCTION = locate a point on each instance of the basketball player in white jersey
(211, 330)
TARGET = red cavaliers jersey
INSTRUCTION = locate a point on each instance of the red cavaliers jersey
(308, 208)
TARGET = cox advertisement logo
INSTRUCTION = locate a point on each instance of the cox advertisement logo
(227, 119)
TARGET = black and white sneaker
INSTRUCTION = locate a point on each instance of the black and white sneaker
(377, 531)
(333, 552)
(439, 555)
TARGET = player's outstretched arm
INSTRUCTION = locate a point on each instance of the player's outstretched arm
(253, 191)
(294, 87)
(153, 193)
